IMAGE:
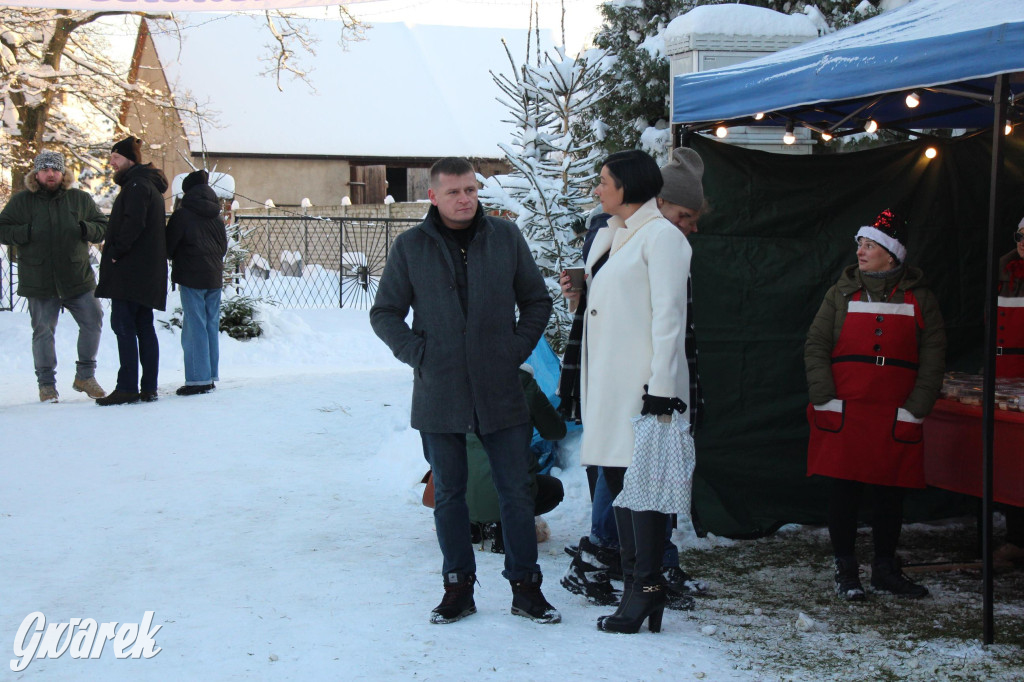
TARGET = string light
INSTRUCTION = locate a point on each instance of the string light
(1008, 130)
(931, 152)
(789, 137)
(758, 116)
(825, 136)
(913, 99)
(721, 131)
(871, 126)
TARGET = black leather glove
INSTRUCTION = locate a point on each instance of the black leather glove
(654, 404)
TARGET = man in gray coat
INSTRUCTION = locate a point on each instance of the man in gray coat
(463, 274)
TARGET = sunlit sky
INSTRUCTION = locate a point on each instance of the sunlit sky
(582, 17)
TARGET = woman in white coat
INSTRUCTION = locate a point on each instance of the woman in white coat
(633, 359)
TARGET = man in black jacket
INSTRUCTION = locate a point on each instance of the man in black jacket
(196, 244)
(463, 274)
(133, 271)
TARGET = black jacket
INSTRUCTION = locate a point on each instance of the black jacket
(197, 241)
(467, 363)
(136, 241)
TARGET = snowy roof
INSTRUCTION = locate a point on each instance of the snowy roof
(407, 90)
(745, 20)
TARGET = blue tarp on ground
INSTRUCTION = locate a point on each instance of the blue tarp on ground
(925, 43)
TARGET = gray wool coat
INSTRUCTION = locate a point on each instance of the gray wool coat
(463, 362)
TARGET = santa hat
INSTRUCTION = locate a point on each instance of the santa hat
(883, 233)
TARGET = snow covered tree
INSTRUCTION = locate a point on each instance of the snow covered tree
(61, 88)
(553, 163)
(636, 115)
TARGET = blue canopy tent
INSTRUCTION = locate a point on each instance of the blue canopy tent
(930, 64)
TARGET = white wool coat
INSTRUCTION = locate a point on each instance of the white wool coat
(634, 332)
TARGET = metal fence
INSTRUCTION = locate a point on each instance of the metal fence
(294, 261)
(302, 262)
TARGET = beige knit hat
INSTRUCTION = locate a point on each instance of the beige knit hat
(682, 179)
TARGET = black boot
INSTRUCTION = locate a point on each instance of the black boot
(847, 576)
(118, 397)
(458, 599)
(644, 595)
(887, 576)
(528, 601)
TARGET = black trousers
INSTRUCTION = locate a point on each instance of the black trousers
(886, 516)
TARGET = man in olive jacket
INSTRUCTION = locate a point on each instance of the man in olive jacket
(51, 226)
(463, 274)
(133, 271)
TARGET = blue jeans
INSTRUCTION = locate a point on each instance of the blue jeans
(136, 342)
(200, 332)
(603, 531)
(509, 453)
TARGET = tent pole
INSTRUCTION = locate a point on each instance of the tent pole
(989, 388)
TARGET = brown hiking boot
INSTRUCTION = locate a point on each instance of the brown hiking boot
(48, 393)
(89, 387)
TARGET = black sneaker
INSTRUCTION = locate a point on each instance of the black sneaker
(678, 581)
(847, 578)
(196, 389)
(458, 599)
(887, 576)
(595, 586)
(494, 533)
(528, 601)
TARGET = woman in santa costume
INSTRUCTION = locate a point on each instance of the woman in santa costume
(875, 357)
(1010, 363)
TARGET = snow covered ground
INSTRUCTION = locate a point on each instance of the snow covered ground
(273, 526)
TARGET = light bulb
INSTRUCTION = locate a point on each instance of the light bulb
(931, 152)
(913, 99)
(721, 131)
(758, 116)
(825, 136)
(1008, 130)
(789, 137)
(871, 126)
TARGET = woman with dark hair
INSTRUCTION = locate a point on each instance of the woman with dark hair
(633, 360)
(875, 356)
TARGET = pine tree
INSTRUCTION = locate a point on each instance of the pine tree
(553, 164)
(636, 115)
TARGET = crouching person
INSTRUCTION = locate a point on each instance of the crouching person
(463, 274)
(547, 491)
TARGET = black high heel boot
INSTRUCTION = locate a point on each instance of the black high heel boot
(644, 597)
(645, 602)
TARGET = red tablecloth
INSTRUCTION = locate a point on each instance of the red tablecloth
(952, 451)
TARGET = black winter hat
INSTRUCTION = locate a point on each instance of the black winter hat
(199, 177)
(130, 148)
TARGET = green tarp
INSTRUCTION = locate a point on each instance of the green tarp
(780, 230)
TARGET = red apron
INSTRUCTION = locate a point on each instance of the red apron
(1010, 337)
(864, 435)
